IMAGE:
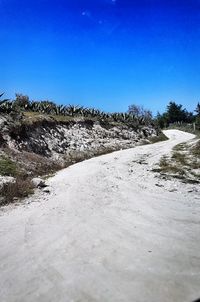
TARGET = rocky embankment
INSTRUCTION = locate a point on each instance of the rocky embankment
(55, 140)
(40, 145)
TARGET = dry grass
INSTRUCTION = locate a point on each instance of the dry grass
(33, 117)
(180, 147)
(32, 164)
(19, 189)
(186, 128)
(168, 167)
(180, 158)
(23, 168)
(183, 164)
(155, 139)
(195, 150)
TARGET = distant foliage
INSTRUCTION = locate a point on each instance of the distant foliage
(175, 113)
(197, 110)
(4, 105)
(135, 116)
(141, 113)
(21, 101)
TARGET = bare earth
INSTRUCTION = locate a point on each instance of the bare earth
(110, 230)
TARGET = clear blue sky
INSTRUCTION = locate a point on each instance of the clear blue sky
(102, 53)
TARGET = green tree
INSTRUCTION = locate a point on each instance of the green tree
(197, 119)
(175, 113)
(197, 110)
(162, 120)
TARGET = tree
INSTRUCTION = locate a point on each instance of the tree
(197, 119)
(135, 110)
(140, 112)
(190, 118)
(175, 113)
(162, 120)
(21, 101)
(197, 110)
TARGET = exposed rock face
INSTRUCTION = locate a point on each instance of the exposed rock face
(39, 145)
(54, 140)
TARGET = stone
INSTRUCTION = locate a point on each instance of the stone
(6, 180)
(38, 182)
(46, 190)
(2, 199)
(159, 185)
(173, 190)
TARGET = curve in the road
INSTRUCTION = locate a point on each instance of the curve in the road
(106, 232)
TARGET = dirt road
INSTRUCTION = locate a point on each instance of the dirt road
(109, 231)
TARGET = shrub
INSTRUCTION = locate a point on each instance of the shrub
(20, 188)
(7, 167)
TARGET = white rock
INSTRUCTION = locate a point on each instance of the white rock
(46, 190)
(6, 180)
(38, 182)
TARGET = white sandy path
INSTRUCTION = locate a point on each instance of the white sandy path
(107, 232)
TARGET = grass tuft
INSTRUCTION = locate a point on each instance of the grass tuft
(180, 158)
(159, 138)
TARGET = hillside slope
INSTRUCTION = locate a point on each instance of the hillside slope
(36, 139)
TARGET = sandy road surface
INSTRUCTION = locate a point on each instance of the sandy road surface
(109, 231)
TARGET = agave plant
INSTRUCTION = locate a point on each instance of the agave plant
(5, 107)
(3, 101)
(60, 110)
(74, 110)
(48, 107)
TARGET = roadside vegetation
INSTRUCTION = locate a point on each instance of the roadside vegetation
(159, 138)
(177, 117)
(12, 191)
(34, 109)
(183, 164)
(18, 184)
(18, 173)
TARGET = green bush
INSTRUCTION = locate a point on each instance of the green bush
(7, 167)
